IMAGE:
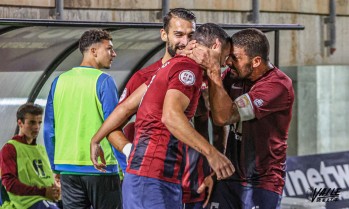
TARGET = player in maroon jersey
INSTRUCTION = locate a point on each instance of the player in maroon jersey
(259, 117)
(155, 170)
(179, 25)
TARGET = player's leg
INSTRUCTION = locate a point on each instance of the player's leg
(103, 191)
(73, 193)
(144, 193)
(258, 198)
(225, 195)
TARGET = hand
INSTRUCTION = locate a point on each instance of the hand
(207, 183)
(206, 57)
(57, 181)
(53, 193)
(188, 49)
(220, 164)
(95, 152)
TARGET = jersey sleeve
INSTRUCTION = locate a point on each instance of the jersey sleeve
(49, 125)
(135, 81)
(269, 97)
(107, 94)
(185, 77)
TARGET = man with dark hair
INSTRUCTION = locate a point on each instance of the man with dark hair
(259, 118)
(24, 165)
(178, 26)
(165, 103)
(78, 103)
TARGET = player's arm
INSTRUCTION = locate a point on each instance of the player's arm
(115, 121)
(224, 110)
(49, 126)
(175, 104)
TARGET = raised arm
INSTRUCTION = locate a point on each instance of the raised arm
(224, 110)
(177, 123)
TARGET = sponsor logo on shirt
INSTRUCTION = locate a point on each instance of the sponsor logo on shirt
(123, 95)
(187, 77)
(258, 102)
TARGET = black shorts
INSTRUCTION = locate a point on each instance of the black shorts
(82, 192)
(232, 195)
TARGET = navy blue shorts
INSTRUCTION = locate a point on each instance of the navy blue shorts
(194, 205)
(44, 204)
(139, 192)
(232, 195)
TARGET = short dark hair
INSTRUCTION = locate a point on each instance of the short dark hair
(91, 37)
(207, 34)
(182, 13)
(30, 108)
(253, 41)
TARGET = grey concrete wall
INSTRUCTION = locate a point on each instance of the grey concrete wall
(323, 115)
(298, 48)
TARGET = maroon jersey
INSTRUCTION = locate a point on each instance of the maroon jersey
(156, 153)
(195, 171)
(139, 78)
(258, 152)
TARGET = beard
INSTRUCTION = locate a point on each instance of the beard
(238, 74)
(172, 49)
(249, 67)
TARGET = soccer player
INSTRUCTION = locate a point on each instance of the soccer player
(25, 168)
(165, 104)
(78, 103)
(259, 118)
(178, 26)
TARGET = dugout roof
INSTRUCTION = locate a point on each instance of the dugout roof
(34, 52)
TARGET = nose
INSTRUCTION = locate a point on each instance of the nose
(184, 40)
(113, 53)
(37, 126)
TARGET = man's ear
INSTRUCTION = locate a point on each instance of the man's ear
(93, 50)
(256, 61)
(19, 122)
(217, 44)
(163, 35)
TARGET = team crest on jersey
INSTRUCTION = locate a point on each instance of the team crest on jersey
(187, 77)
(258, 102)
(123, 95)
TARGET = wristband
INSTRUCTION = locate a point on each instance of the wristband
(127, 150)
